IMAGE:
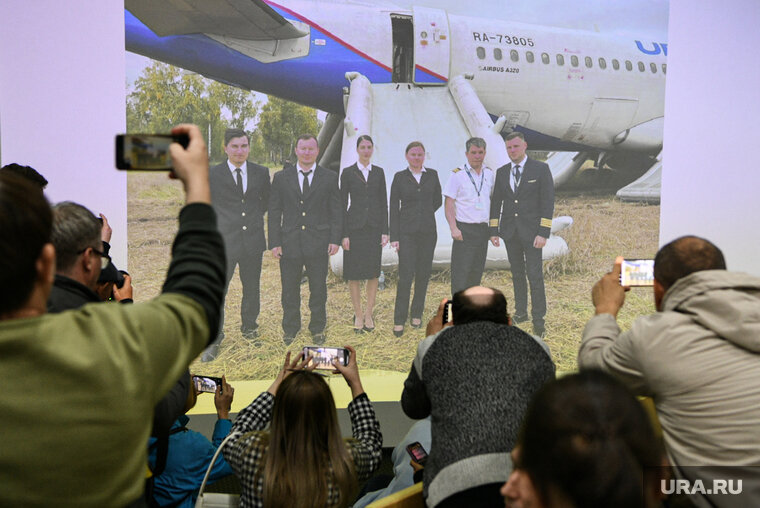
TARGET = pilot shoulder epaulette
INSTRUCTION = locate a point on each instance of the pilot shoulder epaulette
(456, 170)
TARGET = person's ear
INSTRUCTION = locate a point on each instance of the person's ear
(46, 265)
(88, 260)
(659, 294)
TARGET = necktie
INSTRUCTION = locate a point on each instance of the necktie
(305, 181)
(516, 173)
(239, 178)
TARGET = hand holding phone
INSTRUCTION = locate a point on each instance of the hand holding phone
(323, 356)
(637, 272)
(147, 152)
(417, 452)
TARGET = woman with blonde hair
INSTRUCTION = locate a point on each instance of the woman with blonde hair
(302, 461)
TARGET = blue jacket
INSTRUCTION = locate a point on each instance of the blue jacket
(189, 455)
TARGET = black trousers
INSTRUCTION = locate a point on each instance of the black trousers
(291, 270)
(415, 263)
(468, 257)
(248, 257)
(525, 259)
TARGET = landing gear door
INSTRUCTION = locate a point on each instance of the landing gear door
(431, 46)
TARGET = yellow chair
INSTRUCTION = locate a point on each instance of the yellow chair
(410, 497)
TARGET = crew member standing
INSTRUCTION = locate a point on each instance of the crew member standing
(522, 205)
(239, 194)
(467, 206)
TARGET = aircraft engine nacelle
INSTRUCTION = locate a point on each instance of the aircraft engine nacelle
(646, 136)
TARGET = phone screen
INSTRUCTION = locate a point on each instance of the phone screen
(146, 152)
(637, 272)
(417, 452)
(448, 314)
(206, 384)
(323, 356)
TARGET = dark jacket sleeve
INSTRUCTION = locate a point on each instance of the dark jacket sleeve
(414, 398)
(497, 198)
(437, 193)
(394, 210)
(197, 268)
(264, 189)
(274, 217)
(546, 201)
(336, 213)
(384, 203)
(344, 192)
(171, 407)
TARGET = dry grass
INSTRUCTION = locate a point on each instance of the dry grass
(603, 228)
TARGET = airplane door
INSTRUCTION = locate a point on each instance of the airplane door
(431, 46)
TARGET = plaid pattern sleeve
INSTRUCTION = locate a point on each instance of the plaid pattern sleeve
(243, 453)
(366, 448)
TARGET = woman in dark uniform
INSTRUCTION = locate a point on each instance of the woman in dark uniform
(415, 196)
(365, 230)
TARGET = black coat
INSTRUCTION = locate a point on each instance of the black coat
(369, 199)
(412, 205)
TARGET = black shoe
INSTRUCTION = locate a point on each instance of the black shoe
(288, 339)
(318, 338)
(357, 330)
(519, 318)
(369, 329)
(250, 333)
(398, 333)
(210, 353)
(418, 325)
(538, 329)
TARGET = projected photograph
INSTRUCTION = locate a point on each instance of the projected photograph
(578, 90)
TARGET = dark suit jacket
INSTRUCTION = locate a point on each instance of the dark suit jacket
(527, 212)
(369, 200)
(240, 216)
(304, 225)
(412, 206)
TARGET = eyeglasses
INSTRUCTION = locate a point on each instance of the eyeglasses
(104, 258)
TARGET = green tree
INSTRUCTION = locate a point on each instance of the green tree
(281, 122)
(165, 95)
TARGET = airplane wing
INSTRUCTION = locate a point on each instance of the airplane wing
(251, 20)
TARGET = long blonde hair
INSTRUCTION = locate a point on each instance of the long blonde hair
(305, 452)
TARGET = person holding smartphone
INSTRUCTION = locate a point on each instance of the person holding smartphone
(302, 461)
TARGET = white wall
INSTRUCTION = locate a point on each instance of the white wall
(711, 176)
(62, 100)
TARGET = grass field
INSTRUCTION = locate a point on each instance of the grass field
(603, 228)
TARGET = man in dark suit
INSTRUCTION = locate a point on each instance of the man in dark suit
(305, 229)
(240, 195)
(521, 213)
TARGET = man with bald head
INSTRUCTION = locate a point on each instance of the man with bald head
(474, 377)
(698, 357)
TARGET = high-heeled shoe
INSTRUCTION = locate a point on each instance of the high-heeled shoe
(398, 333)
(357, 330)
(369, 329)
(417, 325)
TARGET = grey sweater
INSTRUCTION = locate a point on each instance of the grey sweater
(475, 381)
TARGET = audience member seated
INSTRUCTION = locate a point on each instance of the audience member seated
(191, 452)
(302, 461)
(585, 442)
(79, 239)
(76, 424)
(27, 172)
(698, 358)
(475, 380)
(403, 472)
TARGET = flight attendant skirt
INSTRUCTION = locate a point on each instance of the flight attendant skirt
(362, 260)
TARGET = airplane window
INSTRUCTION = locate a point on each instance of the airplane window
(481, 51)
(615, 64)
(560, 60)
(664, 68)
(653, 66)
(641, 67)
(589, 61)
(514, 56)
(574, 61)
(497, 53)
(628, 65)
(545, 58)
(529, 56)
(602, 63)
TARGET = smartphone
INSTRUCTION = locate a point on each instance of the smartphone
(448, 314)
(637, 272)
(323, 356)
(417, 452)
(147, 152)
(206, 384)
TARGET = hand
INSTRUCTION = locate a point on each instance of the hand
(384, 240)
(223, 399)
(436, 324)
(125, 291)
(191, 164)
(539, 242)
(350, 372)
(346, 244)
(416, 466)
(495, 241)
(105, 230)
(298, 364)
(456, 234)
(395, 246)
(608, 295)
(332, 249)
(277, 252)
